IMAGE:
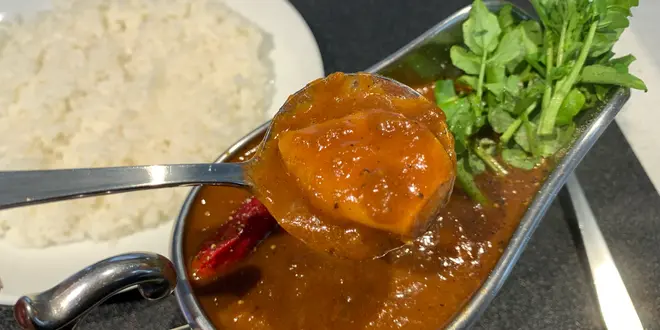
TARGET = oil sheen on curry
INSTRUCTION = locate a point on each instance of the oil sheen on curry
(354, 171)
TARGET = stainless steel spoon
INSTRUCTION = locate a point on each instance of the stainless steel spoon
(22, 188)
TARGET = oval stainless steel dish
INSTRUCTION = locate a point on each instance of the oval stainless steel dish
(432, 48)
(400, 67)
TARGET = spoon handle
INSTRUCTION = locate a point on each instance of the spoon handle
(22, 188)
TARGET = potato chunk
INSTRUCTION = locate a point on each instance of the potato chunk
(373, 167)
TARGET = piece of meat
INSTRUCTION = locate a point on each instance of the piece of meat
(373, 167)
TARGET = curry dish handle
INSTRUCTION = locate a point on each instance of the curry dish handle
(64, 304)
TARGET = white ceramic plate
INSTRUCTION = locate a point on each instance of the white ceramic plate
(296, 61)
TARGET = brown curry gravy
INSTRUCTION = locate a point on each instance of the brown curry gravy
(286, 285)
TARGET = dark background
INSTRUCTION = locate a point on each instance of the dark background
(550, 287)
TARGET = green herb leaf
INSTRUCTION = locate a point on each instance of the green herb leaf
(465, 60)
(612, 17)
(522, 115)
(495, 88)
(530, 42)
(590, 95)
(499, 120)
(523, 139)
(460, 118)
(518, 158)
(566, 134)
(480, 121)
(468, 80)
(527, 74)
(532, 138)
(605, 58)
(513, 85)
(561, 72)
(562, 135)
(533, 32)
(505, 17)
(482, 30)
(495, 73)
(444, 92)
(601, 74)
(601, 92)
(475, 164)
(616, 18)
(621, 64)
(509, 48)
(515, 65)
(461, 121)
(573, 103)
(529, 95)
(603, 42)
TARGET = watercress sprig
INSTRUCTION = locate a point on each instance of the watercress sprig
(579, 32)
(526, 81)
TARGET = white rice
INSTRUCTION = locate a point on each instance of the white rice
(107, 83)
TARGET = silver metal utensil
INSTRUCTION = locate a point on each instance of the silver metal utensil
(616, 307)
(22, 188)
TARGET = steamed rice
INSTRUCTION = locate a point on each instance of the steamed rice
(110, 83)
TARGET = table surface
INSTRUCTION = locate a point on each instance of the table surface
(550, 286)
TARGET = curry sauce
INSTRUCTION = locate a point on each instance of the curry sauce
(284, 284)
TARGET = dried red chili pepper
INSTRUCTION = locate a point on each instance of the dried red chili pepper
(246, 228)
